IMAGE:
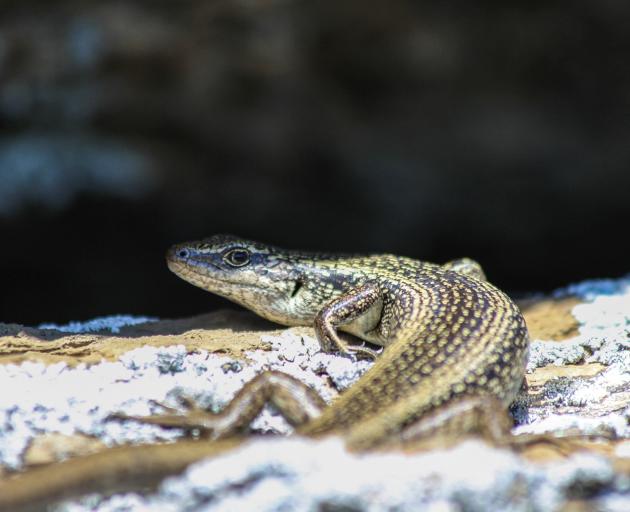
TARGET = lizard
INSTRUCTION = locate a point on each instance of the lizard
(453, 359)
(454, 346)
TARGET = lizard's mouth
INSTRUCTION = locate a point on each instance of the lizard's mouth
(183, 270)
(202, 277)
(206, 275)
(199, 275)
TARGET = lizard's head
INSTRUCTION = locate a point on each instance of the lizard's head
(257, 276)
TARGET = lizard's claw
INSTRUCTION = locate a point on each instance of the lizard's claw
(188, 422)
(188, 403)
(193, 418)
(162, 405)
(362, 352)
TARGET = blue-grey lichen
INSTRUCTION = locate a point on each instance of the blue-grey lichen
(51, 171)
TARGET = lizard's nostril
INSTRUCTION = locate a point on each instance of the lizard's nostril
(183, 253)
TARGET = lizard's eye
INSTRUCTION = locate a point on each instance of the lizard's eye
(237, 257)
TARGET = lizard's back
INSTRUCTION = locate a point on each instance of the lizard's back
(455, 336)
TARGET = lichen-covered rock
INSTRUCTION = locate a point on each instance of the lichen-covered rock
(72, 377)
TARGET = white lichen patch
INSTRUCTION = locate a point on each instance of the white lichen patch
(296, 474)
(604, 327)
(57, 398)
(588, 405)
(610, 424)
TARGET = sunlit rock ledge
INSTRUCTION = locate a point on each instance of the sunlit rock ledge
(66, 380)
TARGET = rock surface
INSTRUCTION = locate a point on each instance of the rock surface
(71, 377)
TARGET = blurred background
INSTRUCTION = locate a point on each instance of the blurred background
(434, 130)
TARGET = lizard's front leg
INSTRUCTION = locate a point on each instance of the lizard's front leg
(346, 309)
(296, 402)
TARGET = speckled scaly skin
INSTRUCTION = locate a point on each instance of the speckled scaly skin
(448, 334)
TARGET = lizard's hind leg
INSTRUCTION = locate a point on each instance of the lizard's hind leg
(296, 402)
(467, 267)
(483, 416)
(480, 416)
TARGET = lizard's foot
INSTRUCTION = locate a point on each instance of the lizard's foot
(186, 402)
(362, 351)
(294, 400)
(562, 446)
(193, 418)
(354, 351)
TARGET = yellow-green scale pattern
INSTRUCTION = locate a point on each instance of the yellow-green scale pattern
(447, 332)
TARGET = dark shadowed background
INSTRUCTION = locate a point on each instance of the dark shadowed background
(434, 130)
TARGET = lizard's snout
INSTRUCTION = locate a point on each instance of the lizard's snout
(177, 253)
